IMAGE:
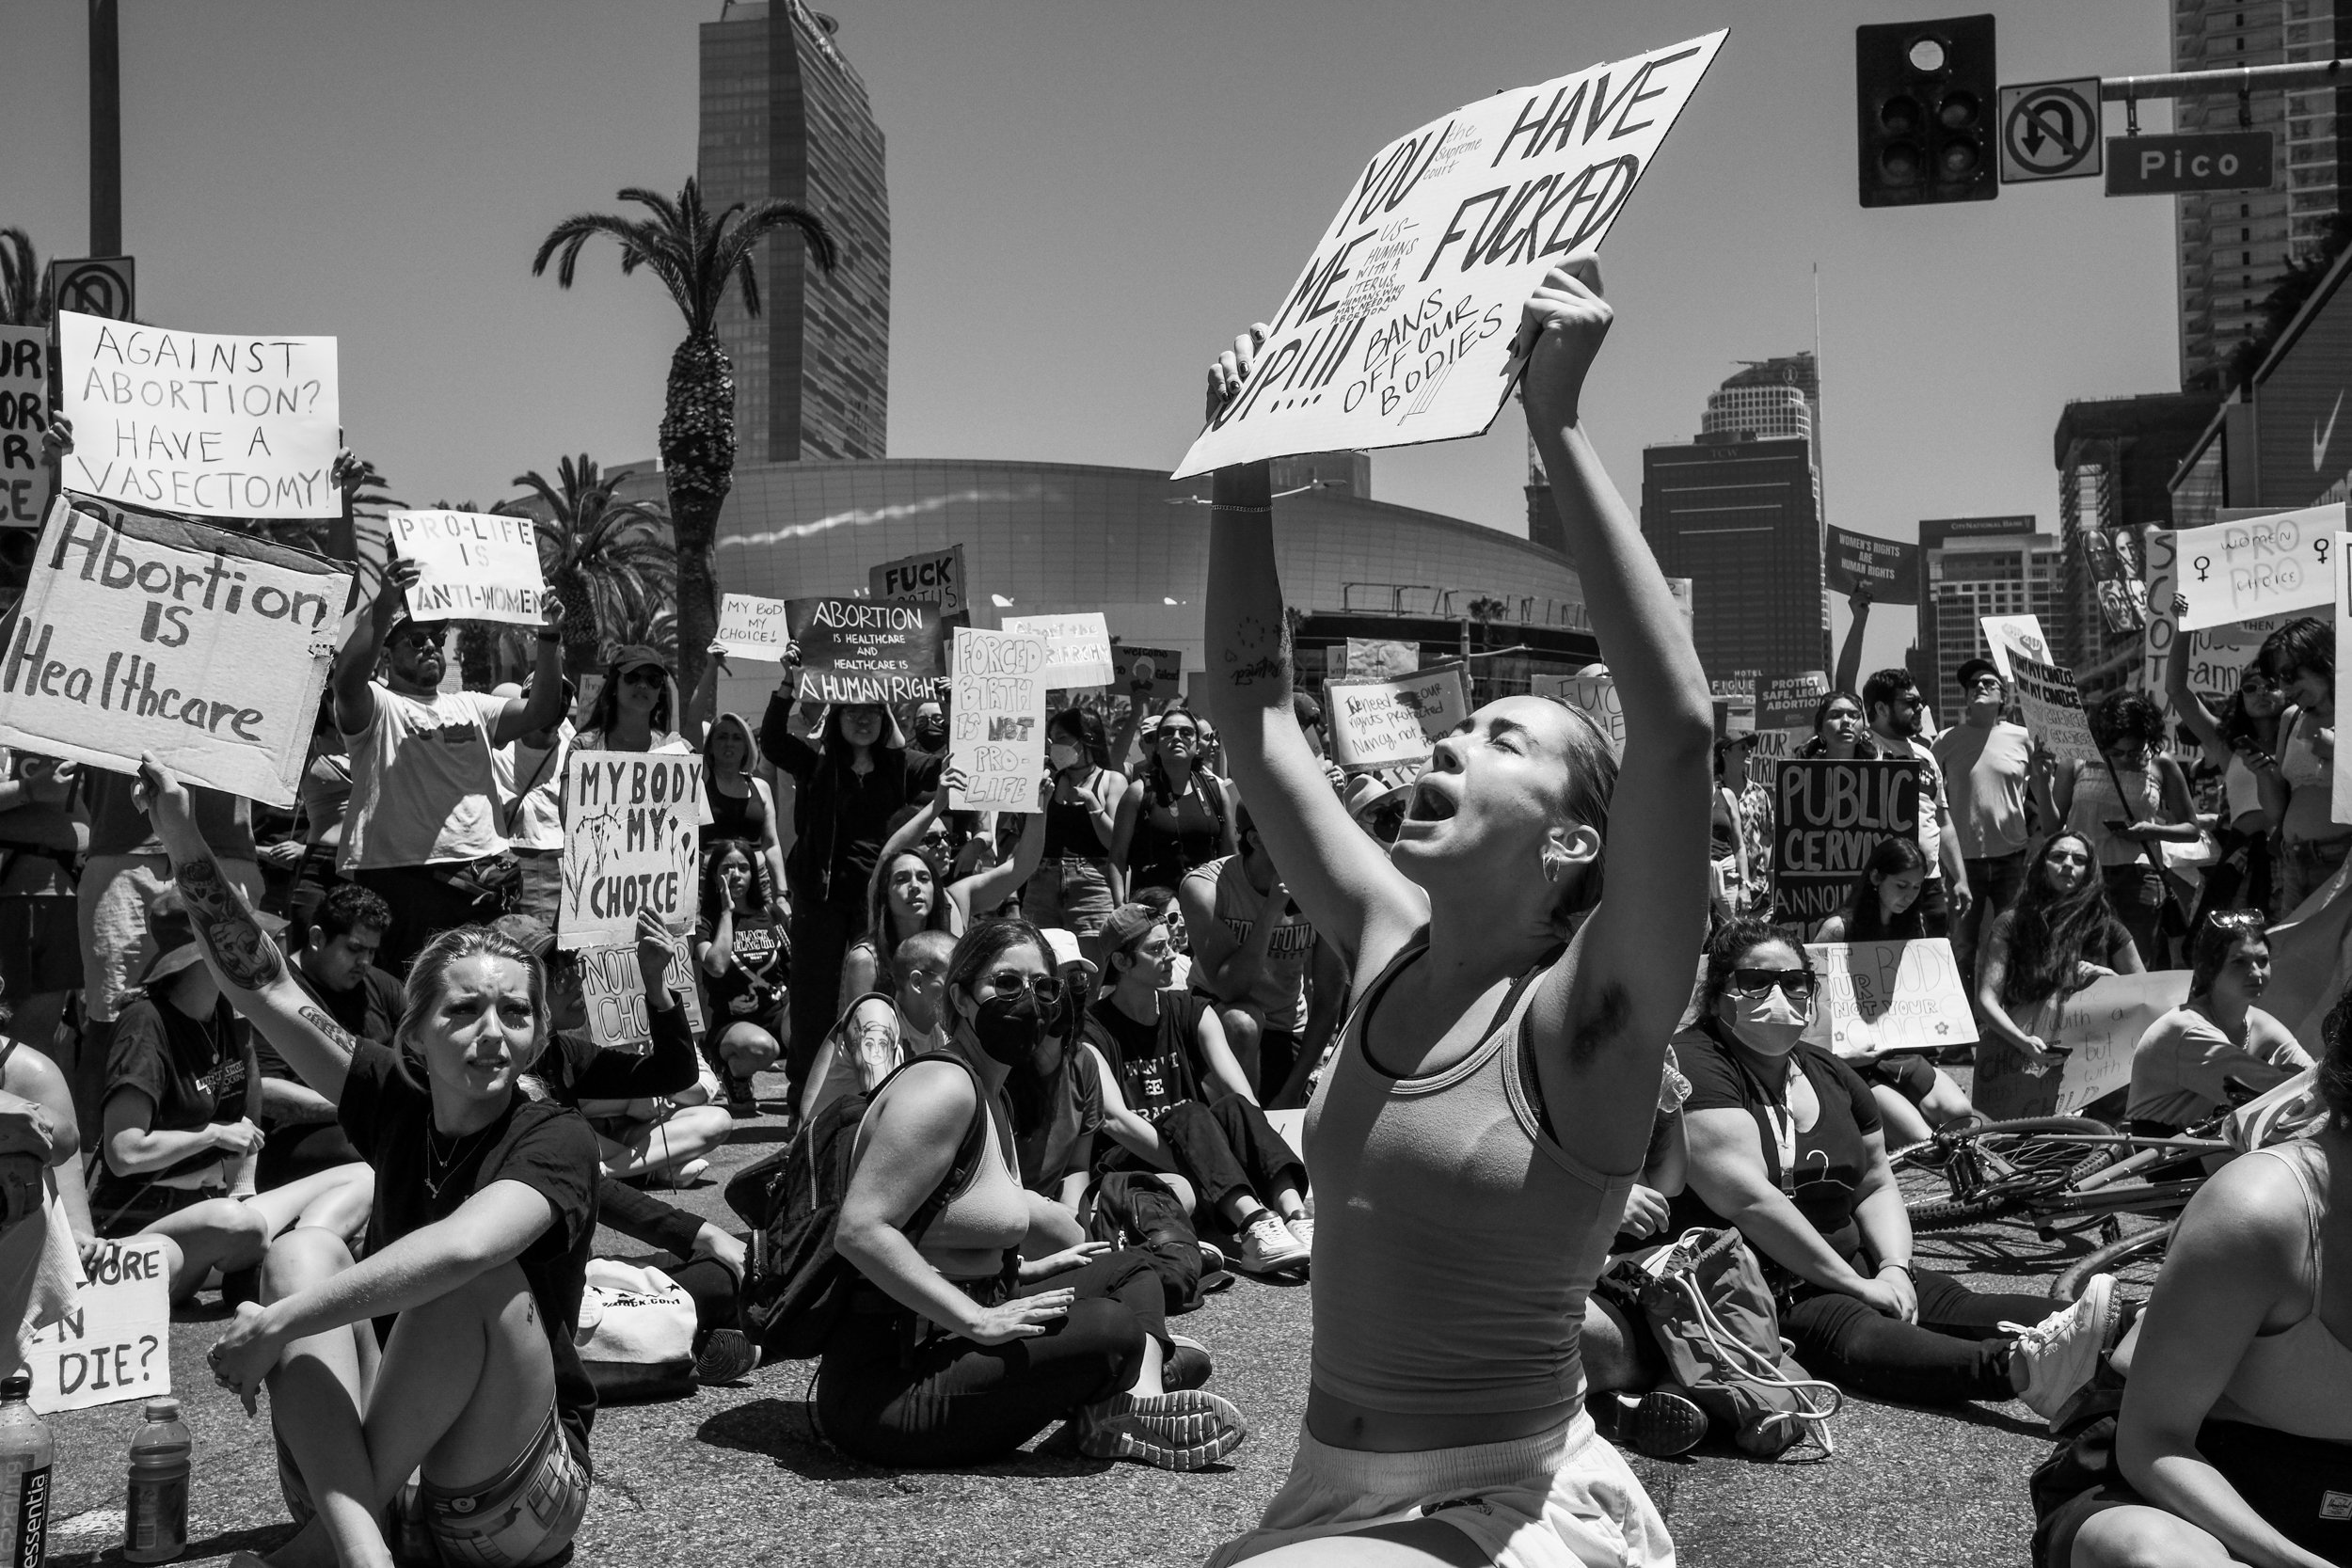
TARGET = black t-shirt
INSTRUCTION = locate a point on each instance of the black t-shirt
(1832, 1156)
(386, 1112)
(1049, 1150)
(753, 986)
(1155, 1061)
(368, 1011)
(193, 1070)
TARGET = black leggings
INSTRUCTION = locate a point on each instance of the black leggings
(890, 1394)
(1956, 1351)
(1222, 1149)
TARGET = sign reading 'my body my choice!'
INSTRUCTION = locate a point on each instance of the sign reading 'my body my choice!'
(203, 422)
(631, 841)
(1401, 328)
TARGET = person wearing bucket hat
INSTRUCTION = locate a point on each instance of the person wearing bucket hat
(423, 829)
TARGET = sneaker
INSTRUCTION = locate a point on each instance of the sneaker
(1267, 1246)
(1185, 1431)
(727, 1355)
(2061, 1352)
(1187, 1366)
(1661, 1423)
(742, 1103)
(1215, 1275)
(1303, 1230)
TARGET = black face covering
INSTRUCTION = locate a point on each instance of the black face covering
(931, 732)
(1010, 1027)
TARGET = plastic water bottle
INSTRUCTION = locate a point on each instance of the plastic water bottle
(156, 1530)
(25, 1453)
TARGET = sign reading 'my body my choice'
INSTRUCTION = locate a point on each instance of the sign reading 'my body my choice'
(472, 565)
(202, 422)
(1401, 325)
(631, 841)
(753, 628)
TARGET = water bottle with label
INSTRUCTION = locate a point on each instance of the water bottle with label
(26, 1454)
(156, 1529)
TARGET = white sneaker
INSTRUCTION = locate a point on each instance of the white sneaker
(2061, 1352)
(1267, 1246)
(1303, 1229)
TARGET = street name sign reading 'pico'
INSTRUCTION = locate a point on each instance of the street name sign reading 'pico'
(1377, 724)
(1829, 816)
(471, 565)
(753, 628)
(997, 690)
(630, 843)
(115, 1343)
(1403, 325)
(24, 476)
(139, 632)
(867, 650)
(1878, 997)
(2255, 567)
(2166, 166)
(934, 575)
(2050, 131)
(210, 423)
(1077, 647)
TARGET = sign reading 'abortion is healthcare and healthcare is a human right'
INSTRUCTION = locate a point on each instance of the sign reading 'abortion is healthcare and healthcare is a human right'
(1401, 326)
(868, 650)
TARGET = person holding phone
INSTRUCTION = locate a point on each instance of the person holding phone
(2061, 936)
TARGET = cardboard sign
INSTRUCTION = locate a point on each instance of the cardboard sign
(1403, 325)
(1077, 647)
(997, 697)
(2275, 565)
(2100, 1025)
(934, 575)
(2020, 633)
(1828, 817)
(1879, 997)
(1783, 713)
(753, 628)
(2217, 656)
(629, 843)
(1154, 674)
(143, 633)
(1889, 568)
(24, 479)
(2053, 707)
(1374, 724)
(1382, 657)
(203, 423)
(1594, 696)
(867, 650)
(613, 989)
(471, 565)
(116, 1345)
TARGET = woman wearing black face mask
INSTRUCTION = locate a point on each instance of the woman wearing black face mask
(1786, 1145)
(982, 1316)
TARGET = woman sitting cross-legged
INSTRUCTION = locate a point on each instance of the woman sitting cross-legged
(485, 1213)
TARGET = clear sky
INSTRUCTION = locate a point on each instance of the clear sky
(1086, 196)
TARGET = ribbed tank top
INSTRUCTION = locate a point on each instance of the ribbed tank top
(1456, 1240)
(2299, 1379)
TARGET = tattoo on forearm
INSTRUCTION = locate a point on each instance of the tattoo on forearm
(240, 949)
(1254, 636)
(337, 1036)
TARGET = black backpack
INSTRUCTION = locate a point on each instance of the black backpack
(799, 1286)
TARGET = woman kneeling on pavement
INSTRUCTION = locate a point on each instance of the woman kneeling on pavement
(485, 1213)
(970, 1334)
(1786, 1145)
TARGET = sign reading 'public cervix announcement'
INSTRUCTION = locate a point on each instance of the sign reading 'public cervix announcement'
(1401, 326)
(219, 425)
(630, 843)
(145, 633)
(867, 650)
(472, 565)
(1829, 816)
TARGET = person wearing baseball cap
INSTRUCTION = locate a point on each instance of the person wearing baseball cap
(1984, 759)
(637, 708)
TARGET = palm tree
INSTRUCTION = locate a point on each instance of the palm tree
(25, 297)
(696, 257)
(610, 562)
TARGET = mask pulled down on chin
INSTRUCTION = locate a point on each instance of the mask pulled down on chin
(1770, 1023)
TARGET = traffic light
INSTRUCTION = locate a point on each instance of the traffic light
(1925, 94)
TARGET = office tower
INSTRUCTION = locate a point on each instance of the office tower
(2234, 245)
(1737, 516)
(1974, 567)
(783, 117)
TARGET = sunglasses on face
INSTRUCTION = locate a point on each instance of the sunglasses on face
(1985, 683)
(1047, 989)
(1179, 735)
(1795, 984)
(644, 674)
(2257, 686)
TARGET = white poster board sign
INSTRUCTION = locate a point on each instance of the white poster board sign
(1377, 722)
(1594, 696)
(996, 693)
(753, 628)
(1401, 326)
(2023, 634)
(24, 476)
(1878, 997)
(116, 1345)
(613, 991)
(2101, 1025)
(143, 633)
(2258, 566)
(471, 565)
(935, 575)
(629, 843)
(203, 422)
(2053, 707)
(1077, 647)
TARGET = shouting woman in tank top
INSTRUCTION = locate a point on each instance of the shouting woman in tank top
(1474, 1138)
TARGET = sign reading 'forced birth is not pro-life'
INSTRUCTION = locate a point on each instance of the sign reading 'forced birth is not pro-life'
(1401, 326)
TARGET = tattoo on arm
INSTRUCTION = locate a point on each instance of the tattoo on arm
(336, 1035)
(224, 922)
(1251, 634)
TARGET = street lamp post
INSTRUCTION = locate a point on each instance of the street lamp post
(106, 132)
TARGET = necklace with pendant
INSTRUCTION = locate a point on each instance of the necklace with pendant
(440, 1167)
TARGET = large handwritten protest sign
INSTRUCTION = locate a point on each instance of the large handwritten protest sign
(867, 650)
(630, 843)
(997, 687)
(2259, 566)
(1594, 696)
(115, 1343)
(934, 575)
(612, 989)
(215, 424)
(1077, 647)
(1889, 568)
(2053, 707)
(1784, 713)
(1401, 325)
(24, 476)
(2099, 1027)
(1878, 997)
(2217, 656)
(1150, 674)
(753, 628)
(1374, 724)
(1828, 817)
(471, 565)
(145, 633)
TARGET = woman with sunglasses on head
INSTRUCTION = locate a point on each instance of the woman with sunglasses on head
(1177, 816)
(2061, 936)
(982, 1316)
(2128, 803)
(2239, 740)
(2297, 778)
(1785, 1144)
(2216, 1049)
(1071, 887)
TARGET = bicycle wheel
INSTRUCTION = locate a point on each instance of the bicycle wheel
(2135, 1260)
(1998, 1167)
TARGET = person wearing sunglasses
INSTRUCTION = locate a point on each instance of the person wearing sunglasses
(2240, 740)
(1176, 816)
(2217, 1049)
(1898, 716)
(1786, 1145)
(1986, 762)
(636, 706)
(982, 1315)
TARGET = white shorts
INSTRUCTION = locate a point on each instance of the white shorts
(1563, 1499)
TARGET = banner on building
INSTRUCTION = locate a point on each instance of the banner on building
(867, 650)
(997, 698)
(1882, 997)
(631, 841)
(471, 565)
(1889, 568)
(26, 478)
(1077, 647)
(1828, 818)
(2274, 566)
(933, 575)
(1376, 723)
(753, 628)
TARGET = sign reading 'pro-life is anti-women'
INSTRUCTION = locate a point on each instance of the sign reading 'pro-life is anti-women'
(145, 633)
(472, 565)
(630, 843)
(1401, 326)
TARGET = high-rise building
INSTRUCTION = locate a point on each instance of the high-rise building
(1974, 567)
(2234, 245)
(784, 117)
(1737, 516)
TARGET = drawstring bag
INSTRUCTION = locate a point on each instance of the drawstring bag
(636, 1335)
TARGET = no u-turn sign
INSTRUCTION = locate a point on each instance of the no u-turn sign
(2050, 131)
